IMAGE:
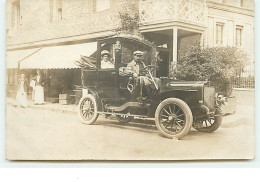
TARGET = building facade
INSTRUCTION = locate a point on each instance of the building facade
(173, 25)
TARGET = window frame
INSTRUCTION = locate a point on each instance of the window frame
(221, 41)
(15, 14)
(112, 53)
(239, 28)
(101, 10)
(56, 10)
(241, 3)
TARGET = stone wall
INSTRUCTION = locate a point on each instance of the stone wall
(78, 18)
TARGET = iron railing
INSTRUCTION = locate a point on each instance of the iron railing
(246, 77)
(188, 11)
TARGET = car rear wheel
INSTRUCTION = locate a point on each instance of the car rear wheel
(173, 118)
(87, 109)
(212, 124)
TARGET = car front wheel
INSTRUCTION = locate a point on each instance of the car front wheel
(211, 124)
(173, 118)
(87, 109)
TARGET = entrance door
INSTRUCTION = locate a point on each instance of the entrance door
(106, 83)
(163, 65)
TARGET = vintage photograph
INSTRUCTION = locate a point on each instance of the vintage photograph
(130, 79)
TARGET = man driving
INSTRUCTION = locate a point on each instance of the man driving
(135, 68)
(105, 62)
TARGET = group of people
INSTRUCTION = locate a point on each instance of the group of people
(135, 68)
(36, 83)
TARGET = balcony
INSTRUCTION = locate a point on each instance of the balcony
(184, 11)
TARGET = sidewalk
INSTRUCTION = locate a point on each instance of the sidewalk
(47, 106)
(244, 110)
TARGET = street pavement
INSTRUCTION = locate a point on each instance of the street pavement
(38, 134)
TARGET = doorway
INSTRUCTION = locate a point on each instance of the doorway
(163, 64)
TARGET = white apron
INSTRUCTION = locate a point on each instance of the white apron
(21, 96)
(39, 95)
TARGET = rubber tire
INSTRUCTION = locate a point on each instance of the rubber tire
(187, 113)
(124, 120)
(82, 118)
(216, 124)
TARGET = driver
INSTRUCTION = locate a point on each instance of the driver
(135, 67)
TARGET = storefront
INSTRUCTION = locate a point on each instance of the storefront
(56, 64)
(12, 68)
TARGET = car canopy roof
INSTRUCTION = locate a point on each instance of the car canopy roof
(129, 37)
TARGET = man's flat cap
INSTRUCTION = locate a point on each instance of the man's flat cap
(138, 53)
(105, 52)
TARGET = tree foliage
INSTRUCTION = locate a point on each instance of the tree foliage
(129, 18)
(218, 65)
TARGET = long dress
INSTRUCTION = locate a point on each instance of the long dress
(21, 96)
(39, 92)
(32, 84)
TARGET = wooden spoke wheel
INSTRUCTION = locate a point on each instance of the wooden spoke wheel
(173, 118)
(87, 109)
(211, 124)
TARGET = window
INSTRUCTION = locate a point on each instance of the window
(102, 5)
(56, 10)
(239, 35)
(129, 48)
(107, 59)
(241, 3)
(219, 34)
(15, 14)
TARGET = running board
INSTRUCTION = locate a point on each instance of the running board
(126, 105)
(141, 117)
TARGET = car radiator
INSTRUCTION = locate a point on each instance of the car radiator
(209, 97)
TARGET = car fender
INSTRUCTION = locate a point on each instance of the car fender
(97, 98)
(185, 95)
(191, 97)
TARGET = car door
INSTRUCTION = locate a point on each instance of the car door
(106, 83)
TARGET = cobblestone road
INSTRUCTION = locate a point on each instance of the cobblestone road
(39, 134)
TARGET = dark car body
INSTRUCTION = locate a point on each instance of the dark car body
(112, 94)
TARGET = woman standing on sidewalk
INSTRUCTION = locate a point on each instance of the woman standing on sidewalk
(21, 96)
(32, 84)
(39, 92)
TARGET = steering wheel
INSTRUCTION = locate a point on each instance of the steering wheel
(147, 69)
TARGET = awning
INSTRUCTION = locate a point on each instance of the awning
(13, 57)
(58, 57)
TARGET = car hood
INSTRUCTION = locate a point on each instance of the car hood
(170, 84)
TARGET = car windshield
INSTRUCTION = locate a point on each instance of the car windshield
(129, 49)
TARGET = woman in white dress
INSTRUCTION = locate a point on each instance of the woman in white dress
(39, 91)
(21, 96)
(32, 84)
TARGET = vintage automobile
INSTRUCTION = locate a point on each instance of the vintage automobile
(176, 106)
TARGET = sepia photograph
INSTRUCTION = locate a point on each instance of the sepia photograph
(134, 80)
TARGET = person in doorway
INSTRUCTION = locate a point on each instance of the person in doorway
(21, 96)
(106, 62)
(39, 91)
